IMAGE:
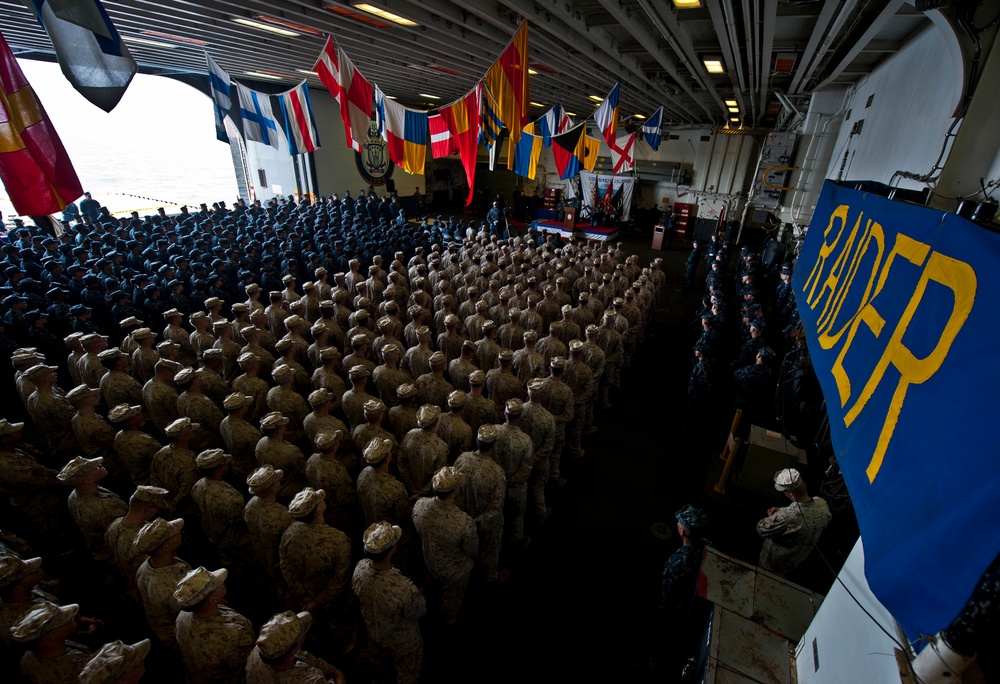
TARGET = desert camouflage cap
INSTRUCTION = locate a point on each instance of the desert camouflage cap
(282, 632)
(381, 536)
(41, 619)
(113, 661)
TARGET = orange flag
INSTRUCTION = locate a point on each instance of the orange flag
(34, 166)
(507, 81)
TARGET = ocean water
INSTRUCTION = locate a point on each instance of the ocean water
(156, 148)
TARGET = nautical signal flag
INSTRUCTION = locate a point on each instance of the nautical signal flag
(404, 131)
(623, 153)
(258, 118)
(300, 126)
(352, 90)
(651, 129)
(91, 54)
(507, 81)
(222, 96)
(34, 166)
(442, 144)
(462, 119)
(574, 150)
(606, 116)
(489, 120)
(526, 154)
(552, 122)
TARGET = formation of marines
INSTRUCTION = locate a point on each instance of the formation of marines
(357, 438)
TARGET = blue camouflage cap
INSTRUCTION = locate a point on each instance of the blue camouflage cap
(693, 519)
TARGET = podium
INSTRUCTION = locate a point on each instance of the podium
(569, 219)
(658, 233)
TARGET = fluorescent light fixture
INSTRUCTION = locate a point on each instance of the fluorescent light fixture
(178, 39)
(143, 41)
(265, 27)
(532, 72)
(687, 4)
(638, 116)
(307, 72)
(537, 104)
(734, 110)
(734, 119)
(384, 14)
(714, 66)
(429, 97)
(260, 74)
(731, 103)
(390, 97)
(287, 24)
(595, 98)
(358, 16)
(570, 113)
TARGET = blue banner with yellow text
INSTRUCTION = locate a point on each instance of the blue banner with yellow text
(899, 304)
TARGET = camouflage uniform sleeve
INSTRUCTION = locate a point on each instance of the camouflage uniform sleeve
(414, 603)
(523, 471)
(785, 520)
(340, 581)
(470, 540)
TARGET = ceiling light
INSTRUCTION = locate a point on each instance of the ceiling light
(595, 98)
(390, 97)
(261, 74)
(731, 103)
(287, 24)
(734, 110)
(385, 14)
(570, 113)
(307, 72)
(265, 27)
(532, 72)
(445, 70)
(714, 66)
(348, 12)
(687, 4)
(143, 41)
(429, 97)
(178, 39)
(638, 116)
(734, 119)
(537, 104)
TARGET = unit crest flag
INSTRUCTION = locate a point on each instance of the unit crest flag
(404, 131)
(91, 54)
(898, 305)
(34, 166)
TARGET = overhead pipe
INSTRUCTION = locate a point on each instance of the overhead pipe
(685, 52)
(734, 43)
(819, 29)
(831, 35)
(767, 44)
(750, 30)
